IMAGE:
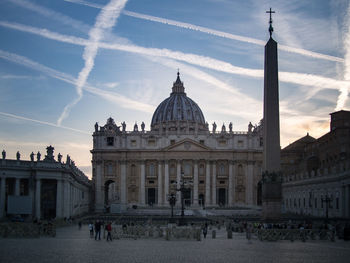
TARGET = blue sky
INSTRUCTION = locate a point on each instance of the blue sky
(66, 64)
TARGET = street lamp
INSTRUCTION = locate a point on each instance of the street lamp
(326, 200)
(184, 186)
(172, 202)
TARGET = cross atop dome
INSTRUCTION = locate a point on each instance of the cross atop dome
(178, 85)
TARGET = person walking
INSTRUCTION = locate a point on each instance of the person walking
(109, 231)
(98, 230)
(205, 230)
(91, 228)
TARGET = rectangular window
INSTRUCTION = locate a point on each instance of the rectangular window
(222, 142)
(82, 194)
(172, 142)
(133, 142)
(201, 182)
(222, 182)
(304, 202)
(151, 182)
(240, 143)
(110, 141)
(315, 202)
(151, 142)
(201, 142)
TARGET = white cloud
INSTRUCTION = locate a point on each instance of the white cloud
(214, 32)
(110, 96)
(105, 20)
(9, 115)
(203, 61)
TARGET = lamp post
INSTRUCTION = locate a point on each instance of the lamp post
(172, 202)
(184, 186)
(326, 200)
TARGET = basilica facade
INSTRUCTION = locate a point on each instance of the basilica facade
(219, 168)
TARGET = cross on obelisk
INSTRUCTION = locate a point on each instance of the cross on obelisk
(270, 21)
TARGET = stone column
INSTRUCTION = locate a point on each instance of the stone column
(207, 184)
(346, 201)
(195, 183)
(160, 184)
(123, 183)
(99, 195)
(17, 186)
(2, 196)
(66, 199)
(142, 184)
(166, 180)
(230, 184)
(38, 199)
(59, 212)
(213, 191)
(178, 178)
(249, 183)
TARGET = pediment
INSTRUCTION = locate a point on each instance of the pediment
(187, 145)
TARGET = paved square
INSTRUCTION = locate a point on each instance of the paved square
(73, 245)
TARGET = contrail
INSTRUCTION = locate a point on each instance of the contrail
(121, 100)
(203, 61)
(344, 91)
(42, 122)
(216, 32)
(105, 20)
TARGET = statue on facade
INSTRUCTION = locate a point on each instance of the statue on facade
(250, 127)
(230, 127)
(68, 160)
(32, 157)
(18, 155)
(136, 128)
(59, 156)
(49, 157)
(207, 125)
(214, 127)
(96, 127)
(3, 154)
(124, 126)
(143, 127)
(223, 128)
(38, 156)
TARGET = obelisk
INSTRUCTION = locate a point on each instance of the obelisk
(271, 181)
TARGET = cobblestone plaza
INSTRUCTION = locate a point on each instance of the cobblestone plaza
(73, 245)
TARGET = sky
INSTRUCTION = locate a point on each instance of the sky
(66, 64)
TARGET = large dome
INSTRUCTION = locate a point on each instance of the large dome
(178, 107)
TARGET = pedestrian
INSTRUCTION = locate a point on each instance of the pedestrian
(98, 230)
(205, 230)
(109, 231)
(249, 233)
(91, 228)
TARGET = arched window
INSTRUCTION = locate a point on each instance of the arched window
(188, 169)
(222, 169)
(152, 170)
(109, 169)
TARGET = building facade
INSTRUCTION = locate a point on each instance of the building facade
(139, 167)
(316, 172)
(43, 189)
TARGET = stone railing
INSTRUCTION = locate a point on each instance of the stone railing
(163, 232)
(294, 234)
